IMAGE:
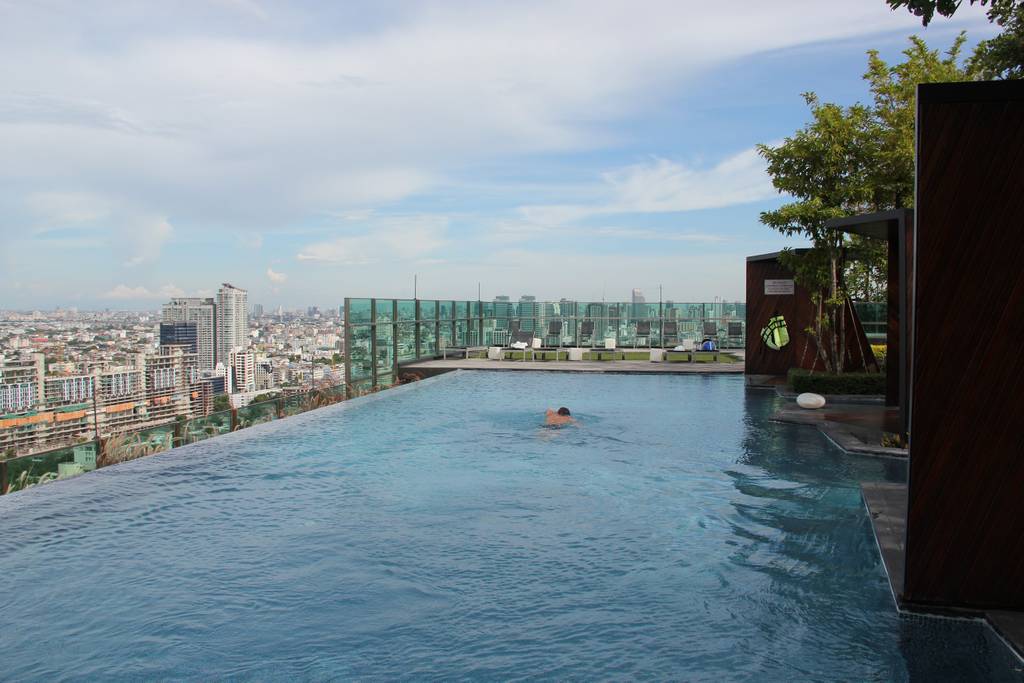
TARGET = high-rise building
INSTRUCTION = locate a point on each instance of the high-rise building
(39, 411)
(203, 313)
(257, 310)
(232, 321)
(637, 310)
(243, 371)
(21, 383)
(179, 334)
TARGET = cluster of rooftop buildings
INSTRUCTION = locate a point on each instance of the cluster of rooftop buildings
(67, 376)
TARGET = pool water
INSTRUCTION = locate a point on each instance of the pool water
(438, 531)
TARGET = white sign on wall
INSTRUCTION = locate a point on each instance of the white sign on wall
(778, 287)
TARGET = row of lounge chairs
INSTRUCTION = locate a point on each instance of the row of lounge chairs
(520, 340)
(669, 333)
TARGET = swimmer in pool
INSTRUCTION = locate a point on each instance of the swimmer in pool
(560, 417)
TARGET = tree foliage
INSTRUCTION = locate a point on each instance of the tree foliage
(1001, 57)
(849, 160)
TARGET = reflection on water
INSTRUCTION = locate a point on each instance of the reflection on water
(438, 531)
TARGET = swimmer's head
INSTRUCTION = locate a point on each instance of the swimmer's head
(563, 411)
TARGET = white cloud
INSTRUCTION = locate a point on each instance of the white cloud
(183, 113)
(142, 124)
(366, 187)
(123, 291)
(67, 208)
(656, 235)
(662, 185)
(665, 186)
(391, 239)
(142, 238)
(135, 235)
(275, 277)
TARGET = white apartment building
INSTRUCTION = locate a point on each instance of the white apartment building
(232, 321)
(243, 370)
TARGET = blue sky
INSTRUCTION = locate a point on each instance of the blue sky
(312, 151)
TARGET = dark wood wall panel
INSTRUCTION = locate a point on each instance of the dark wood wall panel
(965, 521)
(799, 312)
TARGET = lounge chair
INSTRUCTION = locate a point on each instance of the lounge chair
(586, 333)
(554, 332)
(643, 331)
(735, 333)
(683, 352)
(669, 333)
(520, 342)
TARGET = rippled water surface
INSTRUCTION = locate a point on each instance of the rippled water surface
(437, 531)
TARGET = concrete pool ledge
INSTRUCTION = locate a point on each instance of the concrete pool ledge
(855, 428)
(886, 505)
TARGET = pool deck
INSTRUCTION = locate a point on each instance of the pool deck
(854, 427)
(887, 508)
(614, 366)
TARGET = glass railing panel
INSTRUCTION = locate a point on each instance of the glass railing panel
(428, 340)
(359, 311)
(444, 335)
(428, 310)
(445, 310)
(460, 333)
(293, 404)
(406, 333)
(40, 468)
(406, 309)
(202, 428)
(360, 357)
(487, 332)
(131, 445)
(256, 413)
(385, 351)
(385, 309)
(361, 387)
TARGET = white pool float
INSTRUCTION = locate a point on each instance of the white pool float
(810, 401)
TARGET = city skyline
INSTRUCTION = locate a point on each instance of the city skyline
(581, 152)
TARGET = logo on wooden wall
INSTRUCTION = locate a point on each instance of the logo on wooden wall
(775, 334)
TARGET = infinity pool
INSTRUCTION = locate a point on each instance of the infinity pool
(437, 531)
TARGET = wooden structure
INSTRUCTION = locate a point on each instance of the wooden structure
(965, 517)
(771, 291)
(897, 229)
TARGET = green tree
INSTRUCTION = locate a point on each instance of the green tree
(221, 402)
(893, 90)
(850, 160)
(1001, 57)
(825, 167)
